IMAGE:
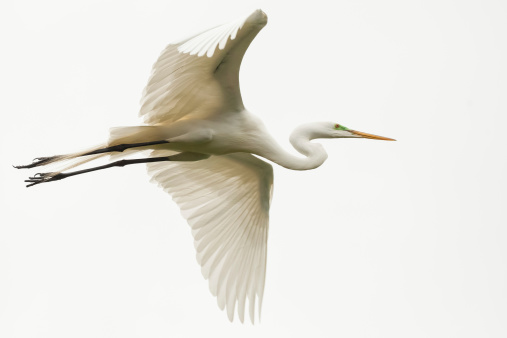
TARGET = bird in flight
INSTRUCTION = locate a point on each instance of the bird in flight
(205, 150)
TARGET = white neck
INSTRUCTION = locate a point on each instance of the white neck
(300, 140)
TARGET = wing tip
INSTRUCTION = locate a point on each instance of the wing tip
(198, 46)
(258, 17)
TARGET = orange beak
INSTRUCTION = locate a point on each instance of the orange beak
(374, 137)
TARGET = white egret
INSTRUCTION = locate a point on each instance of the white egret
(203, 142)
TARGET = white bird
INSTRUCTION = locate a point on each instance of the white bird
(203, 142)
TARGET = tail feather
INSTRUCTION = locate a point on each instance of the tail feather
(134, 134)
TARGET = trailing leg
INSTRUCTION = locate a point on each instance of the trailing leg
(49, 177)
(39, 161)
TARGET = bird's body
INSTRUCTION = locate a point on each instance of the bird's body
(202, 139)
(226, 133)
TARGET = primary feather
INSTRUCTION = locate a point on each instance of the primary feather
(225, 200)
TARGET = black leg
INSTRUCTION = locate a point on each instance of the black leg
(120, 147)
(49, 177)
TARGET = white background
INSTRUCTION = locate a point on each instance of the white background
(386, 239)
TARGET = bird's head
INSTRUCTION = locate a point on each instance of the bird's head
(315, 130)
(301, 136)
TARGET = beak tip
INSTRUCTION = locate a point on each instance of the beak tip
(371, 136)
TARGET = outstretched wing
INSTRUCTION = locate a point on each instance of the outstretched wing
(200, 75)
(225, 199)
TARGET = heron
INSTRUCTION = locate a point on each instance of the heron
(208, 151)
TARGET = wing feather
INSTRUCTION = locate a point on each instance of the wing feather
(187, 80)
(225, 200)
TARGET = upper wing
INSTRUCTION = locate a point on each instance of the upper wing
(200, 75)
(225, 199)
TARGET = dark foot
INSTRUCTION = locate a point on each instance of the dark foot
(37, 162)
(43, 178)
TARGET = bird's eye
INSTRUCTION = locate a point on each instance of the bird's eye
(337, 126)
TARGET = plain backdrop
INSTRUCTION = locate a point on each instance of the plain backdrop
(386, 239)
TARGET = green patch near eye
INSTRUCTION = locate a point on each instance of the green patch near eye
(340, 127)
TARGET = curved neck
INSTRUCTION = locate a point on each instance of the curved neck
(300, 139)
